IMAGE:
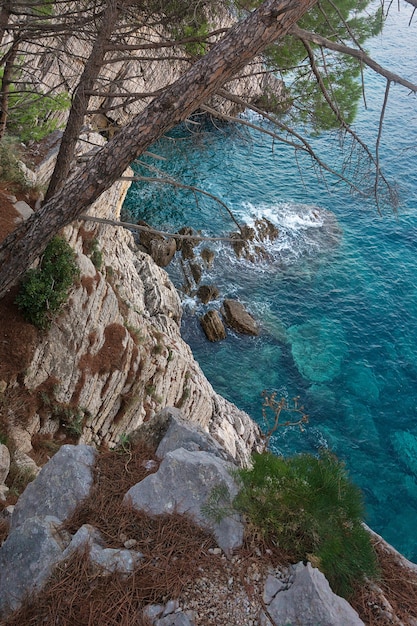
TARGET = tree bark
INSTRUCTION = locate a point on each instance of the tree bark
(6, 84)
(81, 99)
(5, 13)
(242, 43)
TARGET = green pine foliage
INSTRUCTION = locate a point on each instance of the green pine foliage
(308, 508)
(10, 171)
(351, 21)
(32, 115)
(44, 290)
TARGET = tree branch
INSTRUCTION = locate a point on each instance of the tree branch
(153, 231)
(175, 183)
(353, 52)
(240, 45)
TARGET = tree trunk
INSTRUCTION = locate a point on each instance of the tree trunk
(5, 13)
(240, 45)
(5, 86)
(81, 99)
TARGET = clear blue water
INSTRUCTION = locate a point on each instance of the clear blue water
(337, 299)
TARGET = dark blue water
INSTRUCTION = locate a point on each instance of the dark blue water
(337, 298)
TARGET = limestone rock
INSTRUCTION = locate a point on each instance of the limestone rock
(116, 349)
(186, 246)
(196, 271)
(4, 490)
(4, 462)
(238, 318)
(176, 619)
(62, 483)
(26, 559)
(180, 433)
(307, 600)
(163, 252)
(208, 257)
(206, 293)
(106, 559)
(212, 325)
(184, 482)
(24, 210)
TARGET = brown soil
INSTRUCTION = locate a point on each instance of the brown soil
(8, 215)
(18, 339)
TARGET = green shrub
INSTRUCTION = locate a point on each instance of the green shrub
(9, 163)
(32, 116)
(92, 248)
(45, 289)
(309, 508)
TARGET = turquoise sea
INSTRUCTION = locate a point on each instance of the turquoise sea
(337, 298)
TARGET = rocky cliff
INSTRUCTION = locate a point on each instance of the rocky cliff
(115, 355)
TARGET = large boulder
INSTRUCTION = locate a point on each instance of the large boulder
(163, 251)
(213, 326)
(180, 433)
(59, 487)
(27, 557)
(238, 318)
(304, 598)
(186, 482)
(206, 293)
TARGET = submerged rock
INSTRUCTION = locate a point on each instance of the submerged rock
(361, 381)
(318, 348)
(405, 446)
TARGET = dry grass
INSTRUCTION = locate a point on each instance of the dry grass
(399, 587)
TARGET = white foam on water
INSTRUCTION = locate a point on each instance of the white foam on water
(304, 230)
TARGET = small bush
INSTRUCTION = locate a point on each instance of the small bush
(32, 116)
(10, 171)
(94, 252)
(44, 290)
(309, 508)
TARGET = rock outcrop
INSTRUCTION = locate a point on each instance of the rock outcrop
(193, 466)
(238, 318)
(114, 357)
(212, 324)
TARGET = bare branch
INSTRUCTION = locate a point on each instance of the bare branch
(303, 144)
(378, 141)
(353, 52)
(102, 220)
(175, 183)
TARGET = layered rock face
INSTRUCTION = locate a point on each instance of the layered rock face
(115, 354)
